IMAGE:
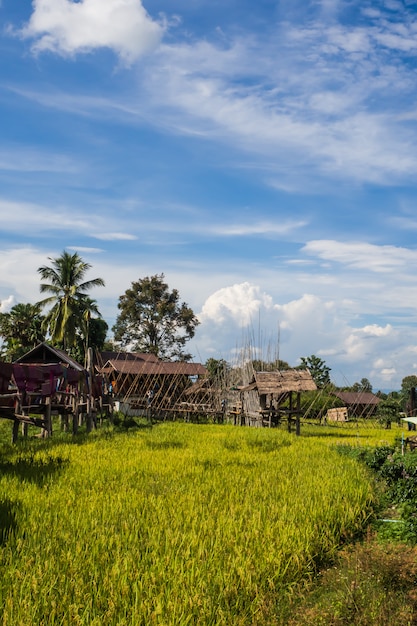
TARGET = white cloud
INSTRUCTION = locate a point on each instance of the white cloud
(85, 249)
(243, 314)
(6, 304)
(258, 228)
(114, 236)
(38, 218)
(325, 108)
(19, 281)
(240, 304)
(361, 255)
(373, 330)
(67, 27)
(318, 101)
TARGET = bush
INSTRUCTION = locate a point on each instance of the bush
(399, 473)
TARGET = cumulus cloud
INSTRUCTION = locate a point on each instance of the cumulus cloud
(231, 317)
(67, 27)
(240, 303)
(19, 281)
(6, 304)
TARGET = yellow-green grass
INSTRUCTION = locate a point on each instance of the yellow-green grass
(174, 525)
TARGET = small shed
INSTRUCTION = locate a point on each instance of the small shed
(272, 395)
(359, 403)
(337, 414)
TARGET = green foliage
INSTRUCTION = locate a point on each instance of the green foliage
(315, 405)
(21, 330)
(364, 385)
(408, 384)
(388, 411)
(96, 338)
(319, 371)
(71, 307)
(399, 472)
(217, 368)
(269, 366)
(152, 319)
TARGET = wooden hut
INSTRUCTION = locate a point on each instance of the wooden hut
(359, 403)
(50, 382)
(139, 381)
(270, 396)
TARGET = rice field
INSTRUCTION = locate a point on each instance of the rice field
(173, 525)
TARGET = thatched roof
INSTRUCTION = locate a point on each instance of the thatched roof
(281, 382)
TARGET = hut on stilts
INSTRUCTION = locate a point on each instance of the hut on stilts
(46, 382)
(271, 397)
(142, 384)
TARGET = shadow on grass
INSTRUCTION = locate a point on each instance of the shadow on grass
(337, 434)
(8, 519)
(28, 468)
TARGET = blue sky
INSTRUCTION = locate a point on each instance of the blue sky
(263, 155)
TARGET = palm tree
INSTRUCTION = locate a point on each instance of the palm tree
(71, 305)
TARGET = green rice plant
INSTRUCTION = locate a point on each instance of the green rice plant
(175, 525)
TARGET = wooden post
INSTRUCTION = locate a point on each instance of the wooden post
(90, 400)
(15, 430)
(412, 405)
(290, 412)
(48, 416)
(297, 418)
(75, 418)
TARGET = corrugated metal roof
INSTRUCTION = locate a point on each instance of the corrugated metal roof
(151, 368)
(357, 397)
(281, 382)
(127, 356)
(43, 353)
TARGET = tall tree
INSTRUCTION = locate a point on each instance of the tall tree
(364, 385)
(152, 319)
(71, 305)
(21, 330)
(408, 383)
(94, 336)
(319, 371)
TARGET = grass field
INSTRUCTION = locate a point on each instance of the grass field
(175, 524)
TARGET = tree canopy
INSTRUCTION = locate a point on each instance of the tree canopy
(217, 368)
(152, 319)
(21, 330)
(319, 371)
(71, 306)
(260, 365)
(364, 385)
